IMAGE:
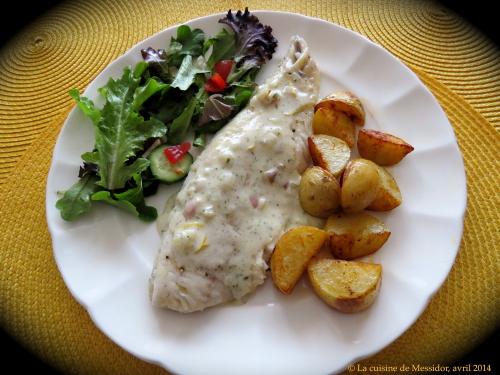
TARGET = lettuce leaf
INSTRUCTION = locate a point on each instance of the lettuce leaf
(223, 47)
(215, 109)
(180, 126)
(131, 200)
(188, 42)
(186, 74)
(120, 131)
(143, 93)
(219, 109)
(157, 62)
(255, 43)
(76, 200)
(200, 140)
(240, 93)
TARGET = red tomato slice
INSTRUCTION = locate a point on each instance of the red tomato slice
(215, 84)
(210, 87)
(175, 153)
(224, 67)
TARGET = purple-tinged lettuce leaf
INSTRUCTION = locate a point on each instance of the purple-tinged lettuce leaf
(215, 109)
(157, 62)
(255, 42)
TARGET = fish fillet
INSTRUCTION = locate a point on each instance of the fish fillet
(241, 194)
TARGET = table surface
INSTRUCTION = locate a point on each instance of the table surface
(68, 46)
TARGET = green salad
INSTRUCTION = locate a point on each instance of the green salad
(191, 89)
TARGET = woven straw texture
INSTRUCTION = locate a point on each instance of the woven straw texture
(71, 44)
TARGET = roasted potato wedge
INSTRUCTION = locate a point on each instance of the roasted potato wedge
(344, 102)
(319, 192)
(293, 251)
(355, 235)
(360, 185)
(334, 123)
(346, 286)
(329, 153)
(382, 148)
(389, 195)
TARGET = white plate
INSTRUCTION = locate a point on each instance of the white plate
(106, 257)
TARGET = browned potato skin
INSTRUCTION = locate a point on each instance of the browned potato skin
(355, 235)
(319, 192)
(348, 287)
(389, 195)
(329, 153)
(334, 123)
(360, 184)
(292, 253)
(345, 102)
(382, 148)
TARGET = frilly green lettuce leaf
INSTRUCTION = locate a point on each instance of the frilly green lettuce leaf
(91, 157)
(120, 131)
(86, 106)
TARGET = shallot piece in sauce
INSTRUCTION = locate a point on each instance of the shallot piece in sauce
(254, 201)
(190, 209)
(271, 174)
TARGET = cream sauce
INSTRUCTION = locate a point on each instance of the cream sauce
(241, 194)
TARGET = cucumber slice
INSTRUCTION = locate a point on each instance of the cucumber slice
(164, 170)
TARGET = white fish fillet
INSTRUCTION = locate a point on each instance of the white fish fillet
(240, 195)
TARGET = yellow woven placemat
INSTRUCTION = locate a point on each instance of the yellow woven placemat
(71, 44)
